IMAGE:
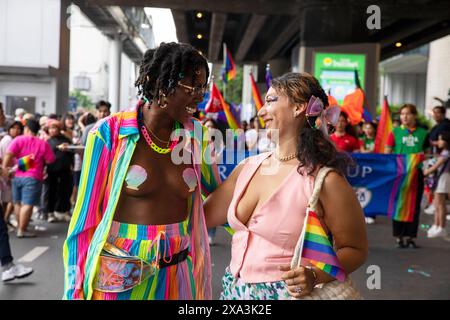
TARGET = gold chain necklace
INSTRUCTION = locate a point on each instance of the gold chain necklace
(156, 137)
(285, 158)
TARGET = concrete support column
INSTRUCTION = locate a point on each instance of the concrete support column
(115, 66)
(301, 58)
(438, 73)
(62, 73)
(248, 107)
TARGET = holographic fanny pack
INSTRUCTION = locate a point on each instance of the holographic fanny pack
(119, 271)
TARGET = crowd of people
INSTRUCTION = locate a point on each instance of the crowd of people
(113, 252)
(41, 159)
(408, 136)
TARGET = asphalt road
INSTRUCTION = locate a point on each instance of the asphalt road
(404, 273)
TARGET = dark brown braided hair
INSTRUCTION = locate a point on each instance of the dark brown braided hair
(162, 68)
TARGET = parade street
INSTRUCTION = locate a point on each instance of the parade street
(405, 273)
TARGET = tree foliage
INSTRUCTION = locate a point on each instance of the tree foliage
(233, 90)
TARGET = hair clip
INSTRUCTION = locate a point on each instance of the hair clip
(328, 116)
(181, 75)
(171, 81)
(147, 78)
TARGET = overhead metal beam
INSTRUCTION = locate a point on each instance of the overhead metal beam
(256, 23)
(179, 17)
(288, 7)
(216, 35)
(291, 29)
(433, 10)
(403, 33)
(420, 38)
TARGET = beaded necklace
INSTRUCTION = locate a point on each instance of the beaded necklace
(170, 145)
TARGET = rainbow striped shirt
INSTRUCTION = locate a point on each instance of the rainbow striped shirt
(108, 153)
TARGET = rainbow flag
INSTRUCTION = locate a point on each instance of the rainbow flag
(403, 199)
(229, 68)
(317, 247)
(256, 98)
(201, 115)
(235, 110)
(25, 163)
(384, 128)
(216, 104)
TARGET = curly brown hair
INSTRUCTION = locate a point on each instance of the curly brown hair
(314, 149)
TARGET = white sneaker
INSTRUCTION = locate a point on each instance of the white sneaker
(51, 218)
(370, 220)
(13, 221)
(17, 271)
(67, 217)
(60, 216)
(432, 229)
(439, 232)
(25, 234)
(430, 209)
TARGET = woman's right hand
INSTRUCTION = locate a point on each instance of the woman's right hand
(300, 281)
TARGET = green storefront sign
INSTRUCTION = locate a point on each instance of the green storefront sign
(335, 72)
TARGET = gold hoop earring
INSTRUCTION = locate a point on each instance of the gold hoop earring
(165, 104)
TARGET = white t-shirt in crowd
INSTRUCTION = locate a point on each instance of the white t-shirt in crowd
(251, 138)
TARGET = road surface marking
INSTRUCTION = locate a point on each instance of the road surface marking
(33, 254)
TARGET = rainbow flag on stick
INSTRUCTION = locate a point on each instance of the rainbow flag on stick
(317, 248)
(216, 103)
(403, 199)
(256, 98)
(384, 128)
(229, 68)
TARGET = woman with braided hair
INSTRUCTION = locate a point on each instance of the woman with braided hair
(138, 229)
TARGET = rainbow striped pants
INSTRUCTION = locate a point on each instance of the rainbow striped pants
(174, 282)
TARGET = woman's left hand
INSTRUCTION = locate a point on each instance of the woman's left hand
(299, 281)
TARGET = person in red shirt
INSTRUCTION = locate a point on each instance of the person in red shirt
(343, 137)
